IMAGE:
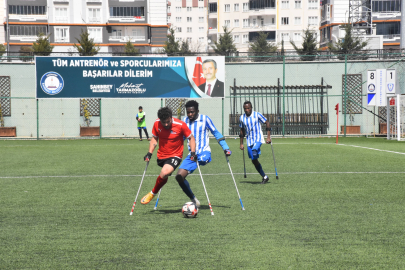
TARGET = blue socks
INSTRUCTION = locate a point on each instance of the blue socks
(185, 186)
(260, 170)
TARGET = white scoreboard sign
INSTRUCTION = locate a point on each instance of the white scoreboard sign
(380, 82)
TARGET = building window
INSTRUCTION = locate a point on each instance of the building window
(236, 7)
(388, 28)
(284, 20)
(201, 9)
(95, 33)
(227, 23)
(169, 9)
(189, 19)
(313, 4)
(201, 29)
(61, 15)
(27, 30)
(386, 6)
(236, 38)
(285, 36)
(236, 23)
(127, 11)
(168, 19)
(200, 19)
(297, 20)
(116, 33)
(285, 4)
(245, 7)
(245, 39)
(178, 29)
(94, 15)
(178, 39)
(26, 10)
(178, 19)
(189, 29)
(227, 8)
(245, 23)
(201, 39)
(298, 4)
(297, 37)
(61, 34)
(178, 9)
(189, 9)
(312, 20)
(213, 7)
(189, 40)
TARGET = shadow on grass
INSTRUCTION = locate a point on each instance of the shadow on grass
(253, 182)
(202, 207)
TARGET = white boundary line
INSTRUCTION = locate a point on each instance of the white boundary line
(153, 175)
(375, 149)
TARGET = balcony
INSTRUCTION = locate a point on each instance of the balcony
(23, 38)
(28, 18)
(392, 38)
(264, 11)
(213, 15)
(64, 19)
(212, 31)
(125, 19)
(126, 38)
(94, 20)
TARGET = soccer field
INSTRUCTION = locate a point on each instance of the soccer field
(65, 204)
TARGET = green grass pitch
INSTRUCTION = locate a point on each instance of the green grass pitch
(65, 204)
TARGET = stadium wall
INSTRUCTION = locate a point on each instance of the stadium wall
(60, 118)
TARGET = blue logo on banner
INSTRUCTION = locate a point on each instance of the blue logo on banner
(370, 97)
(371, 87)
(390, 87)
(52, 83)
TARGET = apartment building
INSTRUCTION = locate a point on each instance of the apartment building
(377, 20)
(189, 20)
(111, 23)
(281, 20)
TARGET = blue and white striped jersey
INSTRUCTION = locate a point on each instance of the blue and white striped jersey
(200, 129)
(252, 126)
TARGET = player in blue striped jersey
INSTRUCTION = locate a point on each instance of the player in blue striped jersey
(200, 125)
(250, 125)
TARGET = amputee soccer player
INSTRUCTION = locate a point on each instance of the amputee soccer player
(250, 125)
(140, 117)
(170, 133)
(200, 125)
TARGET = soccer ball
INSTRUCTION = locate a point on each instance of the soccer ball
(189, 210)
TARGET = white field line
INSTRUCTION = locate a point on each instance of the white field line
(207, 174)
(375, 149)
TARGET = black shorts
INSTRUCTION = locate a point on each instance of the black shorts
(173, 161)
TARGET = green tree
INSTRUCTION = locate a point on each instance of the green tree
(350, 44)
(171, 45)
(185, 47)
(26, 53)
(86, 46)
(261, 45)
(225, 45)
(2, 49)
(130, 49)
(309, 46)
(42, 46)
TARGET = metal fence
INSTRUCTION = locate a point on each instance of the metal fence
(298, 98)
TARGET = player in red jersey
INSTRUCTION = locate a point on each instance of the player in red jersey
(170, 134)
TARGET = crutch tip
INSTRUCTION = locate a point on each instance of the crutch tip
(130, 214)
(277, 177)
(245, 176)
(243, 208)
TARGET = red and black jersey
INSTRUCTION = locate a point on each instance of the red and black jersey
(171, 141)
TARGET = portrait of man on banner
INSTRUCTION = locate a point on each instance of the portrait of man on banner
(205, 77)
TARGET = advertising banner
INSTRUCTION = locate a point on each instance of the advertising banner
(130, 77)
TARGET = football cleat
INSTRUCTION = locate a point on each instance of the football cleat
(147, 198)
(265, 179)
(196, 201)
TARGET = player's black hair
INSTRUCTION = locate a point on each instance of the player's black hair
(164, 113)
(247, 102)
(192, 103)
(140, 107)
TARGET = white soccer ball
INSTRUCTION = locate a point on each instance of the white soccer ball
(189, 210)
